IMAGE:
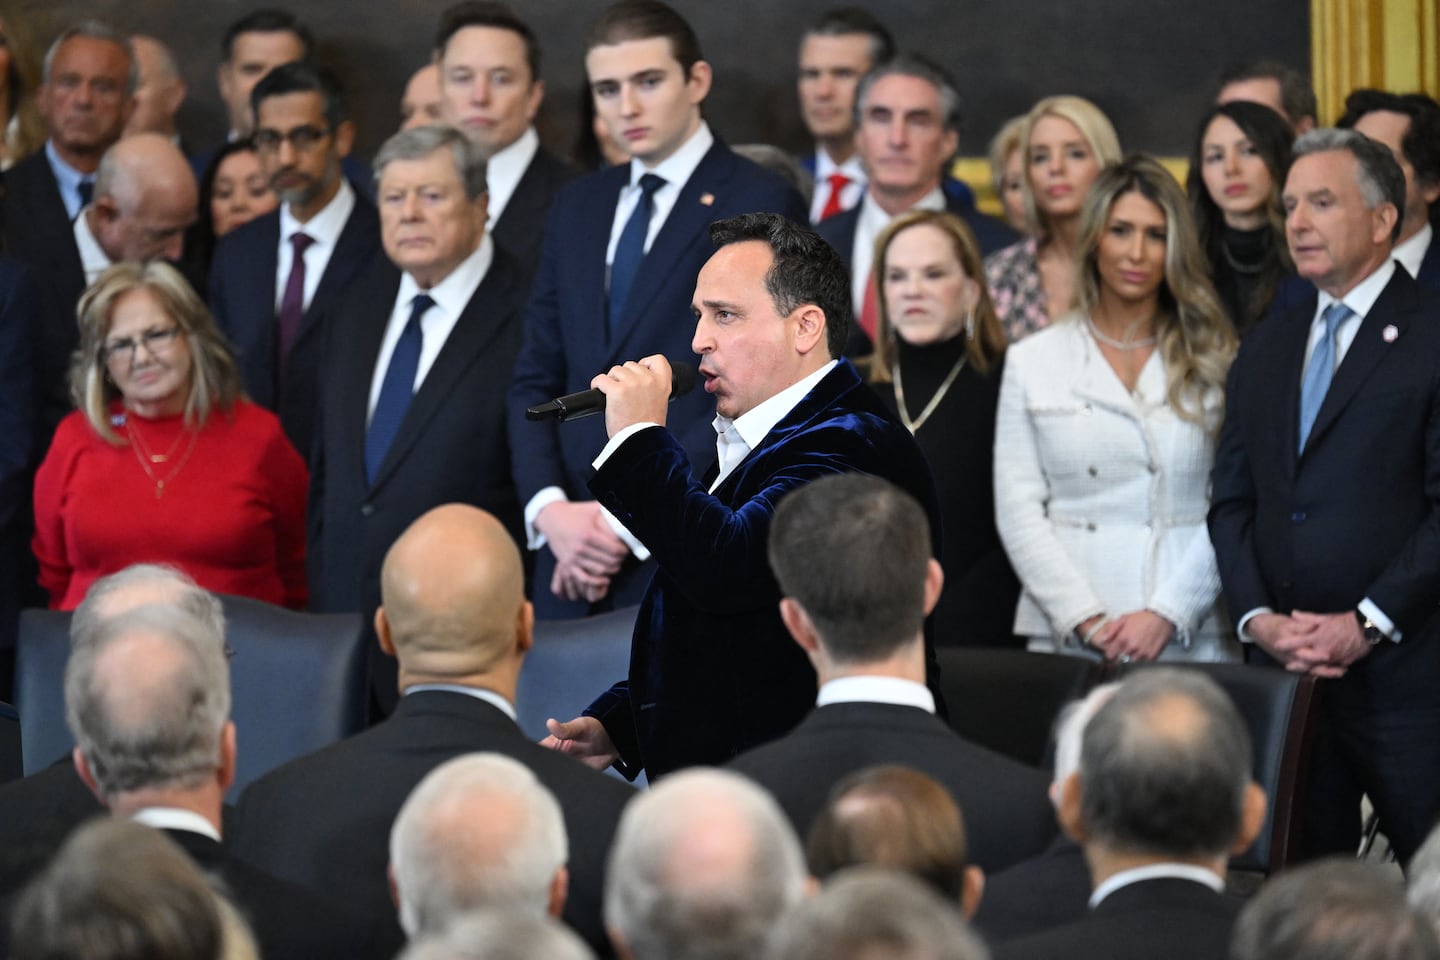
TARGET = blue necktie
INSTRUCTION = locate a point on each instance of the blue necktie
(1321, 370)
(397, 389)
(86, 191)
(631, 249)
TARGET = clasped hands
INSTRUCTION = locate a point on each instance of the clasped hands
(1320, 644)
(1138, 635)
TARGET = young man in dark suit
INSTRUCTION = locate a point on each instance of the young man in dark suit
(273, 278)
(1324, 512)
(853, 557)
(622, 249)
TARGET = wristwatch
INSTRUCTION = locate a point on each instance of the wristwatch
(1368, 629)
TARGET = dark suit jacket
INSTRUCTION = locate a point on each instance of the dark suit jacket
(1040, 893)
(566, 343)
(20, 323)
(39, 813)
(1007, 815)
(1430, 264)
(713, 671)
(324, 820)
(288, 920)
(1171, 918)
(522, 226)
(39, 233)
(242, 296)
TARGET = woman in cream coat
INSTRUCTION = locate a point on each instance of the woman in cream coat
(1105, 438)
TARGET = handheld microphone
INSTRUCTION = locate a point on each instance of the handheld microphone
(586, 403)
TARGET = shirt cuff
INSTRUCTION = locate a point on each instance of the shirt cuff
(1376, 616)
(1240, 627)
(642, 553)
(534, 539)
(618, 439)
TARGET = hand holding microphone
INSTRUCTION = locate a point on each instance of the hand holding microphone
(635, 392)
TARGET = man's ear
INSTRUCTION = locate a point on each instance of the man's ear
(525, 628)
(797, 621)
(344, 138)
(82, 767)
(225, 775)
(1068, 811)
(934, 583)
(559, 890)
(382, 632)
(972, 887)
(1385, 218)
(1252, 818)
(810, 328)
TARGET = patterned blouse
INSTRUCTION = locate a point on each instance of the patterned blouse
(1014, 278)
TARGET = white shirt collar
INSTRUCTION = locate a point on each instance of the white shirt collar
(93, 258)
(754, 425)
(504, 170)
(1411, 253)
(676, 169)
(871, 221)
(479, 693)
(325, 226)
(1156, 871)
(453, 293)
(1364, 294)
(68, 179)
(893, 690)
(824, 166)
(174, 818)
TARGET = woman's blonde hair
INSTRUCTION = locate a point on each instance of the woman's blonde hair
(214, 378)
(988, 340)
(1194, 335)
(1094, 126)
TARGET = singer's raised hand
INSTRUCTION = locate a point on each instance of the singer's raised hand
(635, 392)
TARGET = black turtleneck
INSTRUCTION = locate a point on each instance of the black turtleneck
(1246, 274)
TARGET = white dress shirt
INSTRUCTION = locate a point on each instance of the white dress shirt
(892, 690)
(68, 179)
(324, 229)
(93, 259)
(872, 220)
(824, 167)
(1412, 252)
(452, 295)
(175, 818)
(1156, 871)
(503, 172)
(489, 696)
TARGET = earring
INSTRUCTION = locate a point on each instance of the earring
(970, 324)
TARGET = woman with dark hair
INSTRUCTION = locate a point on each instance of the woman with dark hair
(939, 350)
(164, 461)
(1237, 170)
(233, 191)
(1107, 425)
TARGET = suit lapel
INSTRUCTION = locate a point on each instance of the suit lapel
(352, 247)
(585, 266)
(364, 333)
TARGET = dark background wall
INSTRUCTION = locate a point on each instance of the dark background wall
(1150, 65)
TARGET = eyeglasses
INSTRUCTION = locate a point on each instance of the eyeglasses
(303, 138)
(156, 341)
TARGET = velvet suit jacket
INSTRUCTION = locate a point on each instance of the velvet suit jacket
(242, 296)
(324, 820)
(289, 922)
(713, 671)
(1043, 892)
(522, 226)
(1358, 513)
(566, 339)
(1007, 814)
(1171, 918)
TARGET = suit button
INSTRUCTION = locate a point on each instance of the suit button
(367, 509)
(1090, 527)
(1153, 467)
(1298, 516)
(1094, 472)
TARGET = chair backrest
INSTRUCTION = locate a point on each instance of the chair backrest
(572, 663)
(1279, 708)
(297, 683)
(1008, 700)
(11, 766)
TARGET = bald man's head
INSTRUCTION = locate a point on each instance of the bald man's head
(145, 198)
(161, 89)
(453, 596)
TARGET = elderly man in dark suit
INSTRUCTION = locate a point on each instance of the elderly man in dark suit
(853, 557)
(1324, 513)
(456, 618)
(712, 670)
(1163, 796)
(907, 129)
(413, 395)
(621, 252)
(273, 278)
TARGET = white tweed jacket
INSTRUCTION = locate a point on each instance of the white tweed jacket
(1101, 496)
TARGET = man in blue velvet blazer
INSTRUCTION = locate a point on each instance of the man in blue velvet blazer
(713, 671)
(649, 92)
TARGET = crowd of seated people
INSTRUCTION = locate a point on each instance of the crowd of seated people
(1130, 420)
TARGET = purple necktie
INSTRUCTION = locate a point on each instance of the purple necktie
(292, 305)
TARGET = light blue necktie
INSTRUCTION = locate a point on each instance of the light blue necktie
(630, 250)
(1321, 369)
(397, 389)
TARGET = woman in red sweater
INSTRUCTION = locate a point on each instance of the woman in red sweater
(164, 460)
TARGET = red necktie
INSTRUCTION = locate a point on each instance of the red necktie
(870, 309)
(838, 183)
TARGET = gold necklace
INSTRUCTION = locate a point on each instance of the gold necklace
(147, 458)
(914, 425)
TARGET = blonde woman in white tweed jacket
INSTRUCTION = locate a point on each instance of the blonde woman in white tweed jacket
(1105, 438)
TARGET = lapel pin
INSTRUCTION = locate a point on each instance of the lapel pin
(1389, 333)
(707, 199)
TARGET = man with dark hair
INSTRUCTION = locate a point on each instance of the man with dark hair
(1409, 124)
(1278, 86)
(622, 248)
(1162, 798)
(907, 129)
(252, 46)
(835, 52)
(273, 278)
(491, 87)
(854, 562)
(1333, 910)
(1324, 515)
(712, 671)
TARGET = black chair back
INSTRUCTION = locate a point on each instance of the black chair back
(572, 663)
(11, 764)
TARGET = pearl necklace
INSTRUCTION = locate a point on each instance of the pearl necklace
(914, 425)
(1122, 345)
